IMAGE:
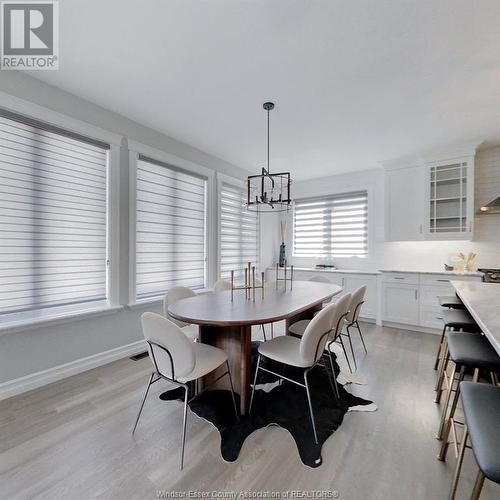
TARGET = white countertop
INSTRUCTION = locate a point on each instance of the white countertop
(375, 272)
(450, 273)
(345, 271)
(482, 300)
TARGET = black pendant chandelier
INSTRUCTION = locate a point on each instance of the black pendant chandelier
(269, 192)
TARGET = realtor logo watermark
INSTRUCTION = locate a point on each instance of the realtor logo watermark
(30, 35)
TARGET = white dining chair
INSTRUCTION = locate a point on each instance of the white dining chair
(321, 279)
(357, 300)
(307, 351)
(221, 286)
(173, 295)
(298, 328)
(178, 360)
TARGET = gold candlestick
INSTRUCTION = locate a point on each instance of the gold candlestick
(253, 283)
(248, 294)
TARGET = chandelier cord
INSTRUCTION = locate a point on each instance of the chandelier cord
(268, 140)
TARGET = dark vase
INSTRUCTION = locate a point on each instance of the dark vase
(282, 255)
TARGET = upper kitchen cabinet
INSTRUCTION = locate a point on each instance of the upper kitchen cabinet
(431, 198)
(404, 196)
(449, 200)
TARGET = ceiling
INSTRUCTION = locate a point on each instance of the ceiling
(355, 82)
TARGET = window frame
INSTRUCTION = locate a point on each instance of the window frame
(238, 183)
(72, 125)
(136, 149)
(326, 196)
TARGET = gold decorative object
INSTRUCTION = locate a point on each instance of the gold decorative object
(285, 278)
(464, 262)
(249, 285)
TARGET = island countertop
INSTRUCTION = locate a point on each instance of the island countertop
(482, 300)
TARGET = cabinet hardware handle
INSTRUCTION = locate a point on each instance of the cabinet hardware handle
(444, 280)
(438, 317)
(398, 278)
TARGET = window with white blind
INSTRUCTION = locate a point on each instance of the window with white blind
(170, 228)
(53, 219)
(239, 232)
(331, 226)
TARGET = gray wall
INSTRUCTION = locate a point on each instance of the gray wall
(29, 351)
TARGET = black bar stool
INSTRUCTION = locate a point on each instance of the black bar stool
(457, 320)
(481, 404)
(466, 351)
(451, 302)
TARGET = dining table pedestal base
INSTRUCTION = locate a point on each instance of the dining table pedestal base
(236, 341)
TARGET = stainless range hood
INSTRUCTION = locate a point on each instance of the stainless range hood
(493, 207)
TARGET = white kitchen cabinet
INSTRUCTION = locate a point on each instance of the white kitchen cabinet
(400, 302)
(411, 299)
(432, 197)
(404, 195)
(355, 281)
(449, 200)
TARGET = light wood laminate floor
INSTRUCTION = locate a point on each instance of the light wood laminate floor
(72, 439)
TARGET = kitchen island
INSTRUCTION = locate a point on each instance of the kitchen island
(482, 300)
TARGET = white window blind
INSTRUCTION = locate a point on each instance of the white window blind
(52, 217)
(331, 226)
(170, 228)
(239, 232)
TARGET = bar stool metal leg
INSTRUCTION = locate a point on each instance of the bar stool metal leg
(458, 468)
(447, 401)
(436, 362)
(478, 486)
(441, 378)
(450, 424)
(443, 364)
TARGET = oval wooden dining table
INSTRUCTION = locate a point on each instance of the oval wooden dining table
(228, 324)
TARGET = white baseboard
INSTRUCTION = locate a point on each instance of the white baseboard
(413, 328)
(44, 377)
(367, 319)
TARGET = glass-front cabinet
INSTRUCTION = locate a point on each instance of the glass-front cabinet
(449, 200)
